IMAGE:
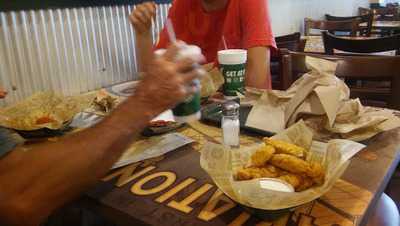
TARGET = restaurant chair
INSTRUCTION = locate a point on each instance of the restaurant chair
(292, 42)
(364, 68)
(367, 18)
(381, 13)
(387, 13)
(360, 46)
(350, 28)
(364, 11)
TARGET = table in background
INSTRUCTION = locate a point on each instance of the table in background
(386, 26)
(315, 44)
(174, 190)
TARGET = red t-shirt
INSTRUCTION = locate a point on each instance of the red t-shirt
(243, 23)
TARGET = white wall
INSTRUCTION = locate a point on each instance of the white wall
(287, 16)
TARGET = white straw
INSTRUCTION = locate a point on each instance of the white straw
(224, 41)
(170, 31)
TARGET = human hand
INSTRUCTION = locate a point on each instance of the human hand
(168, 80)
(142, 16)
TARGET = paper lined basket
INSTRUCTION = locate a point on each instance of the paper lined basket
(222, 163)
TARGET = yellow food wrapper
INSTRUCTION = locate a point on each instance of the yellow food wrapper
(43, 110)
(222, 163)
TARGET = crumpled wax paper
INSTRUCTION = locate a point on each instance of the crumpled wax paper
(27, 114)
(323, 101)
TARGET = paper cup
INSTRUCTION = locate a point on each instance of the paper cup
(232, 63)
(189, 110)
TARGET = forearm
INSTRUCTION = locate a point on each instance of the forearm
(33, 180)
(144, 50)
(258, 73)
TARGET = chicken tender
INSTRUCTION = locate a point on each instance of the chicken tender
(272, 169)
(293, 179)
(290, 163)
(316, 172)
(262, 155)
(282, 147)
(305, 184)
(255, 172)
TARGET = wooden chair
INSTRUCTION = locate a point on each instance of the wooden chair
(365, 68)
(292, 42)
(333, 26)
(362, 46)
(387, 13)
(367, 18)
(382, 13)
(364, 11)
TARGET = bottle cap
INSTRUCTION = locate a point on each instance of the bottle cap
(230, 108)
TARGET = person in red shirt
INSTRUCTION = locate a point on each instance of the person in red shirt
(244, 24)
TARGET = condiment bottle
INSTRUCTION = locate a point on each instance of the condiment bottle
(230, 124)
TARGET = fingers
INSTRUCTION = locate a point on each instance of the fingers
(150, 11)
(185, 65)
(192, 75)
(171, 53)
(142, 16)
(137, 24)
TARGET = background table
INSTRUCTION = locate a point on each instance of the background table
(388, 27)
(315, 44)
(174, 190)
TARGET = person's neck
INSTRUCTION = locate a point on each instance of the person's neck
(210, 5)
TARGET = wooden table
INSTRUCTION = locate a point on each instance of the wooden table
(315, 44)
(388, 26)
(174, 190)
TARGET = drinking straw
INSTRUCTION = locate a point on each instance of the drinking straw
(224, 41)
(170, 31)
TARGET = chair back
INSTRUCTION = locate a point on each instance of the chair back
(367, 18)
(333, 26)
(382, 13)
(387, 13)
(292, 42)
(365, 68)
(377, 69)
(361, 46)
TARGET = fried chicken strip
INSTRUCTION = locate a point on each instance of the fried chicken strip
(282, 147)
(256, 172)
(316, 172)
(290, 163)
(262, 155)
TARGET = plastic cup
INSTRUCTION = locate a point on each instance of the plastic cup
(190, 109)
(232, 64)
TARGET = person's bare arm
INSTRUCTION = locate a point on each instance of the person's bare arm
(141, 18)
(258, 74)
(37, 179)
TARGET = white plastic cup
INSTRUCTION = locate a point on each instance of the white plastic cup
(232, 64)
(190, 109)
